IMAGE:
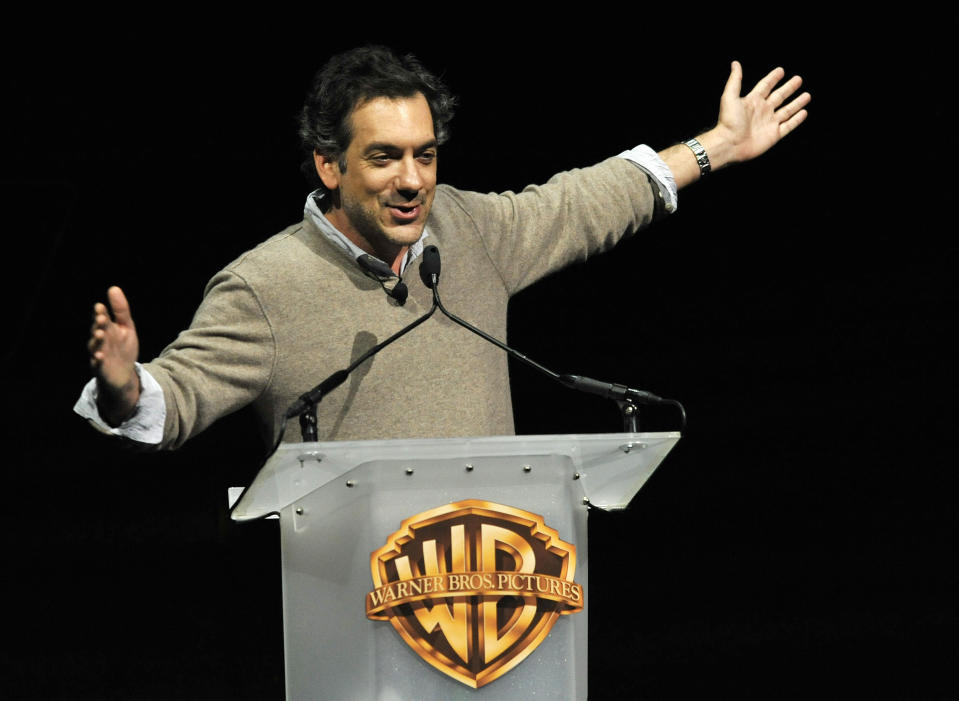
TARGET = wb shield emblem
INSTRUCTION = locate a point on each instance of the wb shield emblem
(473, 587)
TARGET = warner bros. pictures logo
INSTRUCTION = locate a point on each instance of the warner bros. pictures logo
(474, 587)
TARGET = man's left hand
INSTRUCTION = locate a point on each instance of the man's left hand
(753, 124)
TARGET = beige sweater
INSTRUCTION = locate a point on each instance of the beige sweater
(285, 315)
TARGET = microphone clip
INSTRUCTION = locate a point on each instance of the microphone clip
(392, 284)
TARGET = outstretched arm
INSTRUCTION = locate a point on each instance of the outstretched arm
(748, 125)
(114, 348)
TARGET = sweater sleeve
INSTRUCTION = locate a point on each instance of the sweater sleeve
(576, 214)
(221, 363)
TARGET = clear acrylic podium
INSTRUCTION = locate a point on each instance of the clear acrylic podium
(338, 502)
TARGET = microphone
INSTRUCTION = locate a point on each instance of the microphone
(430, 269)
(611, 390)
(626, 396)
(381, 272)
(399, 292)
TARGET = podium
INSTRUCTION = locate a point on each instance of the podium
(442, 569)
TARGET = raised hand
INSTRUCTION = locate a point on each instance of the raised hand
(757, 121)
(114, 348)
(747, 127)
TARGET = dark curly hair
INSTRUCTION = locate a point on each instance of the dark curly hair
(353, 77)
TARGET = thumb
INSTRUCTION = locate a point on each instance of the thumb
(734, 84)
(119, 306)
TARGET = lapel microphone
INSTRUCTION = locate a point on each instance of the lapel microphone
(381, 272)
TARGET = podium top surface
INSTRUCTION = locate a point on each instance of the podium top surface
(613, 466)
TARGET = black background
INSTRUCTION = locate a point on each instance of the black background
(797, 541)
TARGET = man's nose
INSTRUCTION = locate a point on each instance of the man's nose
(409, 179)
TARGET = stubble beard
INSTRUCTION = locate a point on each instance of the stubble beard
(368, 225)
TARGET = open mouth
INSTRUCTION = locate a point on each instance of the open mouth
(405, 212)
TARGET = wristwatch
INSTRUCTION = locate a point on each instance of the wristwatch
(701, 158)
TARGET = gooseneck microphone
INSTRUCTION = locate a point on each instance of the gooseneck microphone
(430, 267)
(625, 396)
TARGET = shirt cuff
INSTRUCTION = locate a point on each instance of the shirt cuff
(654, 166)
(149, 417)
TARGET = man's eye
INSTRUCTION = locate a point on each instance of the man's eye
(427, 157)
(380, 158)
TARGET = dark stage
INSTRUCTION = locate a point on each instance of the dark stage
(795, 544)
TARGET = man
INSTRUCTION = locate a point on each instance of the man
(309, 300)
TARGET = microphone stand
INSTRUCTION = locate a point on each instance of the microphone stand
(630, 414)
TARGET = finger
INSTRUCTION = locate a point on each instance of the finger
(792, 122)
(765, 86)
(95, 347)
(96, 359)
(787, 111)
(779, 95)
(120, 306)
(101, 316)
(99, 309)
(734, 84)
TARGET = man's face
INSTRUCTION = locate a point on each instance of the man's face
(386, 190)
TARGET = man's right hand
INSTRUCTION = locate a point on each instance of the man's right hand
(114, 348)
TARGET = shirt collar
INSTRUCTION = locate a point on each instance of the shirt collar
(313, 211)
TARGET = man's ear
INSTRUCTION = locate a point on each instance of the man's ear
(328, 170)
